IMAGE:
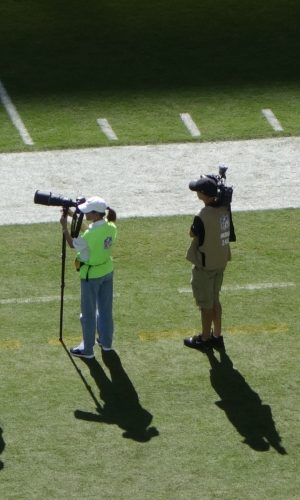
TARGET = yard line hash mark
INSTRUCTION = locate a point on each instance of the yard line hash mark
(273, 121)
(190, 124)
(14, 116)
(106, 129)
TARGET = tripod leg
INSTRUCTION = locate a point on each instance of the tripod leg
(62, 285)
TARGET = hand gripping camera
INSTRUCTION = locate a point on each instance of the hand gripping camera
(57, 200)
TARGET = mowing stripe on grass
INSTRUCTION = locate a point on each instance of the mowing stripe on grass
(273, 121)
(235, 330)
(67, 339)
(10, 344)
(164, 334)
(190, 124)
(249, 286)
(258, 328)
(106, 129)
(14, 116)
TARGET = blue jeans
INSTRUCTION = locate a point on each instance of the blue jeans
(96, 311)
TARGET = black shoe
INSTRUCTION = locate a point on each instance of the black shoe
(79, 353)
(196, 342)
(217, 342)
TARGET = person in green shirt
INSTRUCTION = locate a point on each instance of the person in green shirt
(95, 265)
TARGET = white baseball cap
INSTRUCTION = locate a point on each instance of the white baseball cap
(93, 204)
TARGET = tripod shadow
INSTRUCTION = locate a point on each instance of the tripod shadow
(2, 446)
(243, 406)
(121, 402)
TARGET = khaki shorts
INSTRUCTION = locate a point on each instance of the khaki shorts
(206, 286)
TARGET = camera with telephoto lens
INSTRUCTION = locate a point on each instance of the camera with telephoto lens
(224, 192)
(57, 200)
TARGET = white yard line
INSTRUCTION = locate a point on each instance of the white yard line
(226, 288)
(39, 300)
(190, 124)
(14, 116)
(106, 129)
(34, 300)
(273, 121)
(248, 286)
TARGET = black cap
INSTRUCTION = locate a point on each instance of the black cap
(204, 185)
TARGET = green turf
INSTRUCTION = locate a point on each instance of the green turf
(153, 117)
(140, 64)
(150, 428)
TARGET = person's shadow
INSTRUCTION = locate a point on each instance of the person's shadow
(121, 402)
(243, 406)
(2, 446)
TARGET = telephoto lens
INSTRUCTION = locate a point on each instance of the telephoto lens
(53, 200)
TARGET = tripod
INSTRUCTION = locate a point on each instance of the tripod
(75, 228)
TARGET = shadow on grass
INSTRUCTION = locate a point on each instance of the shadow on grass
(121, 402)
(2, 446)
(243, 406)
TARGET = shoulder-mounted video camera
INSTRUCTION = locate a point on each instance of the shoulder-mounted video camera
(57, 200)
(224, 196)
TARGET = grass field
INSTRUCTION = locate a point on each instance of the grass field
(153, 117)
(159, 421)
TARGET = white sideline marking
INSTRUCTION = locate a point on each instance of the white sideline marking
(226, 288)
(14, 116)
(34, 300)
(249, 286)
(190, 124)
(106, 129)
(41, 300)
(273, 121)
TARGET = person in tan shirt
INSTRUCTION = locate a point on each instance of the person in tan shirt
(209, 253)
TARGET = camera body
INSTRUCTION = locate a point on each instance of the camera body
(224, 197)
(224, 192)
(56, 200)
